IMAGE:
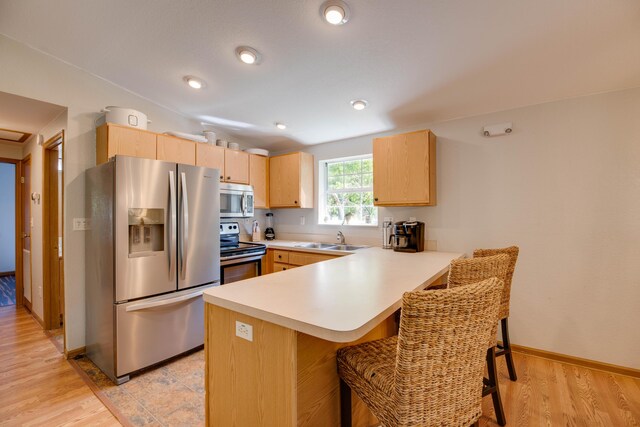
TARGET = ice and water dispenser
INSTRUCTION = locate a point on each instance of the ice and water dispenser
(146, 232)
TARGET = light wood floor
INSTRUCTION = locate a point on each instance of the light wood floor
(37, 385)
(550, 393)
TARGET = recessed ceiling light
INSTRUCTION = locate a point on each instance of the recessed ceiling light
(281, 126)
(194, 82)
(248, 55)
(359, 104)
(335, 12)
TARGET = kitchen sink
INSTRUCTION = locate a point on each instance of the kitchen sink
(315, 245)
(331, 246)
(346, 247)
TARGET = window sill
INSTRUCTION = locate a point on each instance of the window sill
(348, 225)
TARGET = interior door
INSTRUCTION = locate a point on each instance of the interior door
(198, 226)
(26, 229)
(145, 227)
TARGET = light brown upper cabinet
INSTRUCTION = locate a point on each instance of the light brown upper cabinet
(210, 156)
(236, 166)
(114, 140)
(178, 150)
(259, 179)
(291, 181)
(404, 169)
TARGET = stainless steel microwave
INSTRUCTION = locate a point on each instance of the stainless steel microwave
(236, 201)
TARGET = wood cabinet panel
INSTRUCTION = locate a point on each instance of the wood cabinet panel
(291, 180)
(172, 149)
(277, 266)
(259, 179)
(114, 140)
(236, 166)
(281, 256)
(210, 156)
(404, 169)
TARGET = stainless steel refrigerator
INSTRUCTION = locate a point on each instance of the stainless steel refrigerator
(153, 247)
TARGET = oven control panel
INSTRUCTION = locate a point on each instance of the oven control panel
(229, 228)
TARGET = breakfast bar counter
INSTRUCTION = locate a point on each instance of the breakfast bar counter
(271, 341)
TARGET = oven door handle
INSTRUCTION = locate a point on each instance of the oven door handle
(237, 259)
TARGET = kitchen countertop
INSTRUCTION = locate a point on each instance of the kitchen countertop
(338, 300)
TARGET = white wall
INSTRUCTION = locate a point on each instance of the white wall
(565, 187)
(7, 217)
(10, 151)
(32, 74)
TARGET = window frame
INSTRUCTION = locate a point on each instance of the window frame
(323, 189)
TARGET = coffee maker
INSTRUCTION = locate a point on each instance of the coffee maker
(408, 236)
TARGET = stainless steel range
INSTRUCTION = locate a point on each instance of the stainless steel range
(238, 260)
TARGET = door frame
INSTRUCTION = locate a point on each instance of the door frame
(54, 141)
(18, 228)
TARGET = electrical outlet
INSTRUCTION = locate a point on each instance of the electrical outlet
(388, 218)
(303, 219)
(81, 224)
(244, 330)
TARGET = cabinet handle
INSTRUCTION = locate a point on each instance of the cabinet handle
(228, 177)
(295, 201)
(284, 268)
(221, 178)
(279, 256)
(376, 199)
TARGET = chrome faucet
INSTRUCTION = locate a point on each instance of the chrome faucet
(340, 238)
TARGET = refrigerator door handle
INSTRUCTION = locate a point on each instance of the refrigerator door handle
(172, 224)
(169, 301)
(184, 238)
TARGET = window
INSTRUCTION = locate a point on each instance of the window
(346, 191)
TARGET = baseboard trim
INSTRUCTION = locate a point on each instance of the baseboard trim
(579, 361)
(7, 273)
(38, 319)
(72, 354)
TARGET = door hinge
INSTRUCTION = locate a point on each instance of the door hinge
(22, 180)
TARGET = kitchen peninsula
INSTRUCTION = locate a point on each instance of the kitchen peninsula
(271, 341)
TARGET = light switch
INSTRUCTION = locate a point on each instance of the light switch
(80, 224)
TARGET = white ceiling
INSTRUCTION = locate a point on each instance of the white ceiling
(415, 61)
(25, 114)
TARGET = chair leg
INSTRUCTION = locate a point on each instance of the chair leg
(345, 404)
(507, 350)
(492, 386)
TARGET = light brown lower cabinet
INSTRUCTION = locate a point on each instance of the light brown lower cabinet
(281, 260)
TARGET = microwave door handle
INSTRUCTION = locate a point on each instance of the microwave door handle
(242, 205)
(184, 238)
(172, 224)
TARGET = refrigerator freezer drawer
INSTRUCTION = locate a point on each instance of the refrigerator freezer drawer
(154, 329)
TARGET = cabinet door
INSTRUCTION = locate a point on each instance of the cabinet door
(114, 140)
(284, 180)
(404, 169)
(178, 150)
(259, 179)
(210, 156)
(236, 166)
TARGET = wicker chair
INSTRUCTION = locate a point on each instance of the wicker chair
(505, 348)
(463, 272)
(431, 373)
